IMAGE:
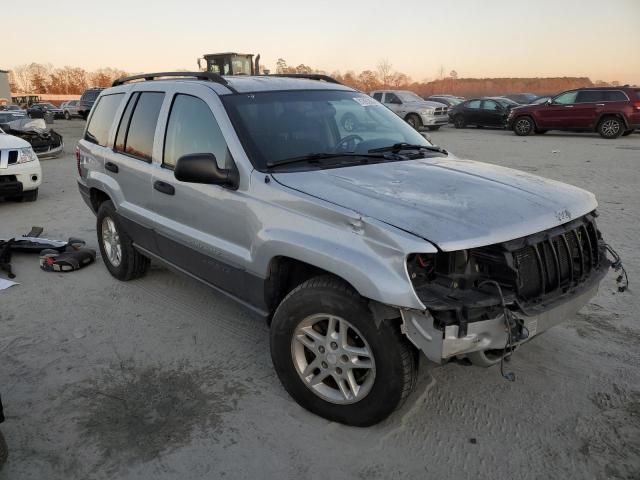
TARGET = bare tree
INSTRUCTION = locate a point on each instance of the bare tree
(385, 72)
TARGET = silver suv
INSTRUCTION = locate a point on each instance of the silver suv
(418, 112)
(361, 249)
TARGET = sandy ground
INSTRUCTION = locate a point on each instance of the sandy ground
(161, 378)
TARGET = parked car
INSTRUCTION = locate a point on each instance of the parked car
(417, 112)
(361, 249)
(87, 100)
(71, 109)
(449, 101)
(46, 142)
(12, 108)
(37, 110)
(610, 111)
(482, 112)
(20, 172)
(522, 98)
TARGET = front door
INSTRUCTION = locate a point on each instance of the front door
(558, 113)
(491, 114)
(202, 229)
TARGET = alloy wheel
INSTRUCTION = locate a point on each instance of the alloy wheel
(523, 126)
(610, 128)
(333, 359)
(111, 241)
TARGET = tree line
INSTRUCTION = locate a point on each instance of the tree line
(39, 78)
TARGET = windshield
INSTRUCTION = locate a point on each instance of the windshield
(277, 126)
(409, 97)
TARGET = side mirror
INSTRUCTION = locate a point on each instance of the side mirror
(202, 168)
(549, 102)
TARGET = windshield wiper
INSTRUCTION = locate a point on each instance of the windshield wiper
(397, 147)
(317, 158)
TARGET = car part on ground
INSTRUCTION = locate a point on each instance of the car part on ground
(610, 111)
(362, 242)
(46, 142)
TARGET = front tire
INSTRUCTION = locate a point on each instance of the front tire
(67, 115)
(333, 359)
(414, 120)
(610, 127)
(116, 247)
(523, 126)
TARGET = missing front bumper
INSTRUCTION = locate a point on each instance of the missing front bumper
(439, 345)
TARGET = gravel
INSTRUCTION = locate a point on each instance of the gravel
(163, 378)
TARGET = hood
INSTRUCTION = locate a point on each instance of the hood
(425, 103)
(455, 204)
(11, 142)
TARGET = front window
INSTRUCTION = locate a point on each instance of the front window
(277, 126)
(566, 98)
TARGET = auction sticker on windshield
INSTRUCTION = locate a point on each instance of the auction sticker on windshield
(366, 101)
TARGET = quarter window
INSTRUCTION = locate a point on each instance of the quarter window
(566, 98)
(615, 96)
(102, 119)
(192, 128)
(138, 141)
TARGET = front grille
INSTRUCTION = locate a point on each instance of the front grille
(441, 111)
(557, 262)
(13, 157)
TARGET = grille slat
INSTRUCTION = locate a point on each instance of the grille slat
(556, 263)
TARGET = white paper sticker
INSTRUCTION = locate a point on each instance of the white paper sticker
(6, 283)
(366, 101)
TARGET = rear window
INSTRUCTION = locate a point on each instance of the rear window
(102, 118)
(90, 94)
(142, 127)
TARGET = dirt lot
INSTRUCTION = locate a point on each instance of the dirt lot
(162, 378)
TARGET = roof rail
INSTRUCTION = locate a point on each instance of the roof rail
(209, 76)
(310, 76)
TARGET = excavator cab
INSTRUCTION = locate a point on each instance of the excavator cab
(230, 63)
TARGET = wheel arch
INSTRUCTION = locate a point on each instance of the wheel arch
(617, 115)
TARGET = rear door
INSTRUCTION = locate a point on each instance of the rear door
(589, 104)
(130, 162)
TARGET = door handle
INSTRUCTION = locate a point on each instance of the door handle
(112, 167)
(568, 106)
(164, 187)
(599, 104)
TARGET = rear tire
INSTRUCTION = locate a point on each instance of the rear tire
(304, 351)
(459, 121)
(610, 127)
(116, 247)
(414, 120)
(523, 126)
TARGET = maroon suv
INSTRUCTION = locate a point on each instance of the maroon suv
(610, 111)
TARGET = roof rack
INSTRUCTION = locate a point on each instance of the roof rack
(209, 76)
(310, 76)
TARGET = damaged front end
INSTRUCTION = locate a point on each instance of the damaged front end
(484, 301)
(46, 142)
